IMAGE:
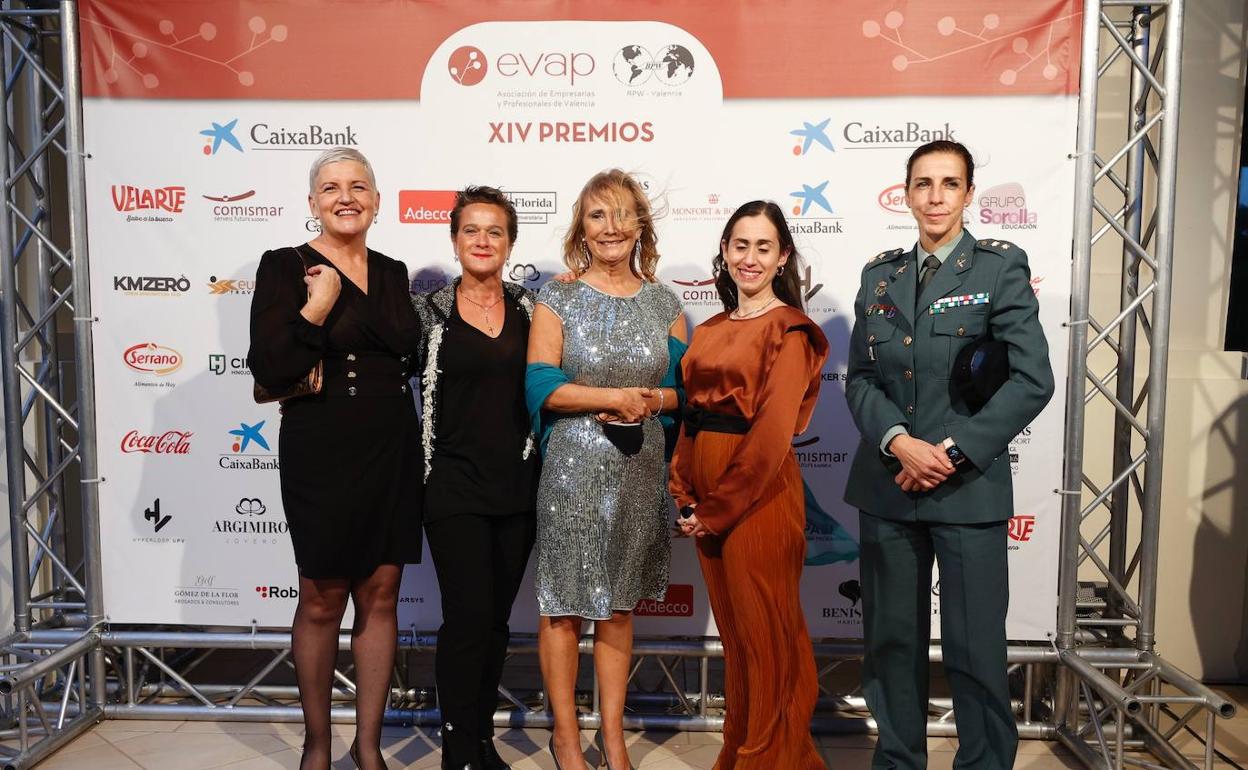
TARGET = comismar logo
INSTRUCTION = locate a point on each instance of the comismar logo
(467, 65)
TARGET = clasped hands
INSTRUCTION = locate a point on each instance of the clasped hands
(629, 405)
(924, 466)
(689, 526)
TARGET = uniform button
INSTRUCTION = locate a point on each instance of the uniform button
(910, 409)
(909, 375)
(350, 356)
(907, 341)
(402, 388)
(404, 359)
(961, 331)
(351, 375)
(351, 391)
(871, 339)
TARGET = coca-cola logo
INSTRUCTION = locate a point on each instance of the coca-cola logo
(150, 358)
(676, 603)
(171, 442)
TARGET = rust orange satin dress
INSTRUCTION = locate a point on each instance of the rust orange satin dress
(748, 491)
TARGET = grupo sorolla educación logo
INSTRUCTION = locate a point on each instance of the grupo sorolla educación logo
(467, 65)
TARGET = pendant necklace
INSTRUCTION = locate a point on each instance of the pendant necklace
(485, 310)
(742, 316)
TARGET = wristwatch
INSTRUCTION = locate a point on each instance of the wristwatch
(955, 455)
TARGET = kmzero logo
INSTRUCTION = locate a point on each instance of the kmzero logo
(277, 592)
(676, 603)
(150, 358)
(467, 65)
(151, 285)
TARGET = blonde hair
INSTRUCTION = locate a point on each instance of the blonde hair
(617, 189)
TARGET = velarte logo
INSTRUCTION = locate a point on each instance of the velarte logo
(676, 603)
(1022, 527)
(426, 207)
(129, 198)
(150, 358)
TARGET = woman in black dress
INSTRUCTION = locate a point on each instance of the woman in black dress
(350, 456)
(480, 469)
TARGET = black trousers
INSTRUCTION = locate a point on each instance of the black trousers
(480, 561)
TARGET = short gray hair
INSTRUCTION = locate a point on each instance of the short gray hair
(337, 155)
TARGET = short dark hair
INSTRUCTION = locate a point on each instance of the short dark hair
(943, 145)
(488, 195)
(788, 284)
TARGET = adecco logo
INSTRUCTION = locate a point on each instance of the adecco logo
(150, 358)
(676, 603)
(893, 199)
(426, 207)
(468, 65)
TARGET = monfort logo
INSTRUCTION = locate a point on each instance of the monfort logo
(157, 200)
(242, 207)
(676, 603)
(862, 136)
(171, 442)
(426, 207)
(151, 285)
(150, 358)
(1006, 207)
(710, 209)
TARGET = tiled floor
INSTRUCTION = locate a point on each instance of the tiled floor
(128, 745)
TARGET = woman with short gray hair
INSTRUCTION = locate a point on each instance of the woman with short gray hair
(350, 455)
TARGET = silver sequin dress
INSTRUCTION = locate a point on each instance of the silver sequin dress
(602, 516)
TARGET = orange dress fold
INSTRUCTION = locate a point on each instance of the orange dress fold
(748, 491)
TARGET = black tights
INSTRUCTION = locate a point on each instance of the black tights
(314, 642)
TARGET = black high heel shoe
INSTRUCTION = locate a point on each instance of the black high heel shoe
(456, 755)
(490, 758)
(354, 753)
(601, 743)
(551, 748)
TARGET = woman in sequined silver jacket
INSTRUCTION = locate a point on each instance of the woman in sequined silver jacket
(481, 467)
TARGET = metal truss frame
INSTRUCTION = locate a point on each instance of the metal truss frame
(1100, 688)
(1117, 703)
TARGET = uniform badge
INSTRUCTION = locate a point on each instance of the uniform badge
(880, 288)
(961, 300)
(902, 269)
(961, 262)
(888, 311)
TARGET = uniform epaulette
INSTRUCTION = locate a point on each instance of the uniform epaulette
(884, 256)
(997, 246)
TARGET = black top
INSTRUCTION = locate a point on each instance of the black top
(482, 422)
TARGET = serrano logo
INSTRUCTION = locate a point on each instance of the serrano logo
(467, 65)
(150, 358)
(426, 207)
(676, 603)
(171, 442)
(129, 198)
(1022, 528)
(893, 199)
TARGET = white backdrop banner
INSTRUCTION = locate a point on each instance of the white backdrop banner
(202, 119)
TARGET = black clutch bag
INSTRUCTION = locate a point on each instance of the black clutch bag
(626, 436)
(979, 371)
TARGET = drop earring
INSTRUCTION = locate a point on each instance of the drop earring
(637, 250)
(780, 271)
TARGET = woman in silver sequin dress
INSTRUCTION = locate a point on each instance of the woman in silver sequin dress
(602, 531)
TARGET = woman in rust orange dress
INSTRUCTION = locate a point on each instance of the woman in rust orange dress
(751, 379)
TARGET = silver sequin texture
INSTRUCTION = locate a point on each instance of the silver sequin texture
(602, 532)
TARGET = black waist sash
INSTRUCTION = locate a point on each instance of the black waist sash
(700, 419)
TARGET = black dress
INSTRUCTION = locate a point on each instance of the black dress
(350, 457)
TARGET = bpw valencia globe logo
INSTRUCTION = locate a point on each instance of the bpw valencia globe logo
(467, 65)
(633, 65)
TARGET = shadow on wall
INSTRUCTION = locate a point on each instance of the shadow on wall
(1219, 552)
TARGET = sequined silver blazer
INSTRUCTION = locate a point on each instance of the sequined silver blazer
(434, 309)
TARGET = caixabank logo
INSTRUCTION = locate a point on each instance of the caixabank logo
(894, 135)
(676, 603)
(811, 212)
(812, 136)
(222, 137)
(248, 449)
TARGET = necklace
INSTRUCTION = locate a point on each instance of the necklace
(485, 310)
(737, 314)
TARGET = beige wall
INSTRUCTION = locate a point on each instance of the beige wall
(1202, 603)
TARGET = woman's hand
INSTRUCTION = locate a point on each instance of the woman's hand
(324, 285)
(567, 276)
(630, 404)
(924, 466)
(691, 527)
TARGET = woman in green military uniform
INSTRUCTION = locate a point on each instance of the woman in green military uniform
(931, 477)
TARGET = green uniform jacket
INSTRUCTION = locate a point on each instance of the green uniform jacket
(900, 362)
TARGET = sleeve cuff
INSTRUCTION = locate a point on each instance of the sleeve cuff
(309, 333)
(889, 435)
